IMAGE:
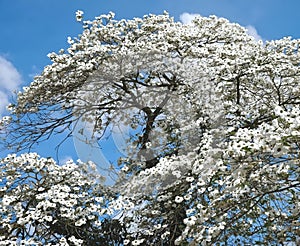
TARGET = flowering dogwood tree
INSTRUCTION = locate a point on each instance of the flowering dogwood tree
(213, 158)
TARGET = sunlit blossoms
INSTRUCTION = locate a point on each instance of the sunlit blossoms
(212, 157)
(42, 202)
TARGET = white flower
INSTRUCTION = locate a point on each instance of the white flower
(177, 174)
(99, 199)
(137, 241)
(48, 218)
(164, 235)
(201, 182)
(190, 221)
(126, 241)
(157, 226)
(187, 197)
(6, 119)
(77, 242)
(178, 241)
(6, 200)
(80, 222)
(79, 15)
(22, 221)
(70, 40)
(178, 199)
(279, 150)
(189, 179)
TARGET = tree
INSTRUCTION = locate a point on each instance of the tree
(213, 158)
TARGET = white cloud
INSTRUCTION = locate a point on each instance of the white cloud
(3, 101)
(253, 32)
(186, 18)
(10, 80)
(65, 159)
(35, 71)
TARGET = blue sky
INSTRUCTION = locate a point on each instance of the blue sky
(30, 29)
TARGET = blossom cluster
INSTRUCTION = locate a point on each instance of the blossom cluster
(41, 201)
(214, 154)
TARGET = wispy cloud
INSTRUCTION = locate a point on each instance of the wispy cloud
(65, 159)
(10, 80)
(251, 30)
(3, 101)
(35, 71)
(186, 18)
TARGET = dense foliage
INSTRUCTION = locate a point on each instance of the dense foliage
(214, 154)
